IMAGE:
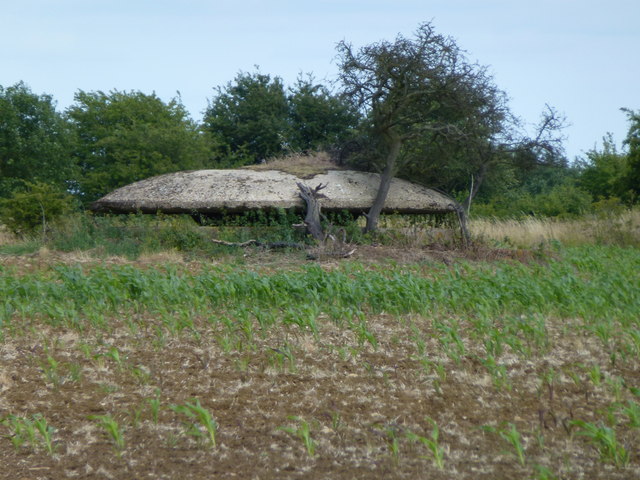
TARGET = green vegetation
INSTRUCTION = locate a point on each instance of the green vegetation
(529, 338)
(398, 363)
(31, 209)
(112, 428)
(199, 419)
(34, 431)
(573, 287)
(432, 442)
(303, 432)
(414, 108)
(122, 137)
(509, 433)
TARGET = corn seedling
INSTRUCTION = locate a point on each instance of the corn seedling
(604, 439)
(432, 442)
(154, 405)
(141, 373)
(430, 366)
(25, 430)
(278, 357)
(616, 385)
(46, 431)
(199, 418)
(114, 354)
(136, 414)
(543, 473)
(51, 371)
(510, 434)
(498, 372)
(393, 442)
(302, 431)
(365, 335)
(632, 411)
(112, 429)
(595, 375)
(75, 372)
(336, 421)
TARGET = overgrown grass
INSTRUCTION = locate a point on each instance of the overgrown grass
(132, 236)
(606, 228)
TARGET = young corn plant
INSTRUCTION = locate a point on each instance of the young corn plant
(632, 411)
(46, 432)
(112, 429)
(279, 357)
(498, 372)
(25, 430)
(432, 442)
(510, 434)
(391, 434)
(604, 439)
(51, 371)
(543, 473)
(302, 431)
(154, 405)
(199, 419)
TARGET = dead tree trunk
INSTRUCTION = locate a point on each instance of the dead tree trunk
(312, 219)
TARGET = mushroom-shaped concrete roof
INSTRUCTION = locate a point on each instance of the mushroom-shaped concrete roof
(215, 191)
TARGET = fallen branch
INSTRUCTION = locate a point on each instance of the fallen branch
(321, 255)
(261, 244)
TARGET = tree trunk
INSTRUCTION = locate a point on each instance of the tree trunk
(312, 219)
(385, 183)
(462, 219)
(475, 186)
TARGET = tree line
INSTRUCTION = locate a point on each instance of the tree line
(414, 107)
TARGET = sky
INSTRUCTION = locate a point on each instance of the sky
(580, 57)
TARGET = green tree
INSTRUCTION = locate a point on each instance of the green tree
(318, 119)
(419, 91)
(122, 137)
(248, 119)
(34, 140)
(605, 173)
(633, 158)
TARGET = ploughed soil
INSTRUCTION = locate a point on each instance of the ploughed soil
(290, 404)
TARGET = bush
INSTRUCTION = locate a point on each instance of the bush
(561, 201)
(35, 207)
(128, 235)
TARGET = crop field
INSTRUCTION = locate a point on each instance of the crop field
(520, 368)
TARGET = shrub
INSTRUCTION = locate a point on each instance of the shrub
(35, 206)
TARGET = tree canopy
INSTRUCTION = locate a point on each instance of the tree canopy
(122, 137)
(34, 140)
(247, 119)
(633, 143)
(255, 117)
(319, 119)
(437, 118)
(421, 89)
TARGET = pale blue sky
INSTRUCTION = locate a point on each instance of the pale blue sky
(582, 57)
